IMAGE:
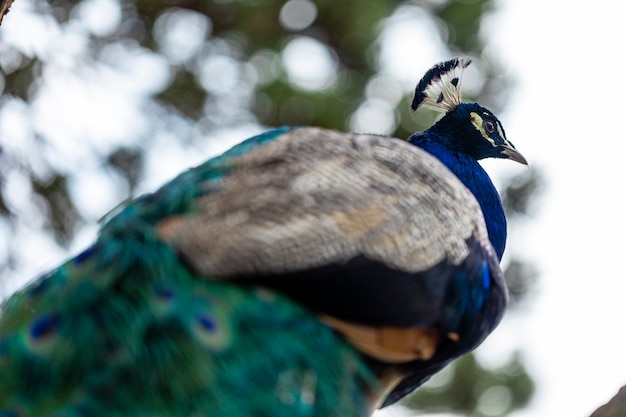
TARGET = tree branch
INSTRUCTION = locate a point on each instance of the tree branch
(4, 8)
(616, 407)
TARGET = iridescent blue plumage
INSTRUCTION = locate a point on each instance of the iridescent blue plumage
(458, 142)
(439, 141)
(304, 272)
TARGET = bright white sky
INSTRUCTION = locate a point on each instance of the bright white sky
(565, 116)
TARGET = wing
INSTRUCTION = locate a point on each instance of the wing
(313, 197)
(369, 231)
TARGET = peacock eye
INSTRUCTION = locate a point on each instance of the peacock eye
(489, 126)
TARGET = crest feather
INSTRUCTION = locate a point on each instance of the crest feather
(440, 88)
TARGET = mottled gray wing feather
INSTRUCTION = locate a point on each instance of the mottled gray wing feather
(314, 197)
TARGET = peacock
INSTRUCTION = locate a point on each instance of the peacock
(304, 272)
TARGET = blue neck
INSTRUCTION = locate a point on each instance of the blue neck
(474, 177)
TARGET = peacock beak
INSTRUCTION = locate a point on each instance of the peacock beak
(511, 153)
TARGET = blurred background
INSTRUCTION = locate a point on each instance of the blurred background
(105, 99)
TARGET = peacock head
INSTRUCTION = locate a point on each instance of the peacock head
(465, 127)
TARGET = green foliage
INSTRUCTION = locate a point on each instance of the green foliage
(462, 19)
(521, 191)
(249, 40)
(243, 45)
(471, 389)
(53, 194)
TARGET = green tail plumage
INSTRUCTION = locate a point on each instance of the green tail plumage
(125, 329)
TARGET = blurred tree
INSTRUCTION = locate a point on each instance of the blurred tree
(101, 94)
(468, 388)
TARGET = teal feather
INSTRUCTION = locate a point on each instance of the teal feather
(152, 338)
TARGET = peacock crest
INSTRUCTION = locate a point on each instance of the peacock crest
(440, 88)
